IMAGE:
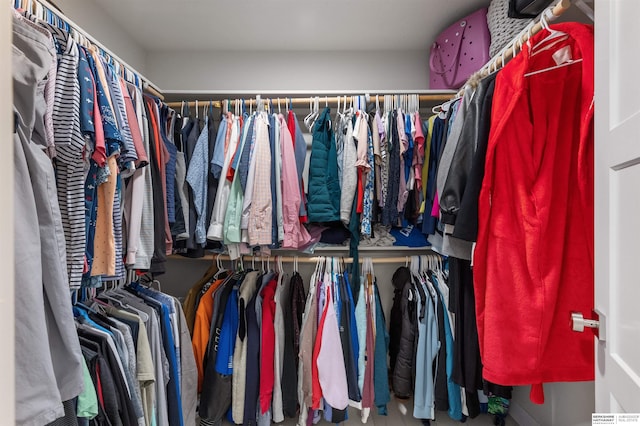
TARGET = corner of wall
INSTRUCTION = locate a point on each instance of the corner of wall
(99, 24)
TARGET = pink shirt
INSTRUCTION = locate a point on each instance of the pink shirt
(331, 370)
(418, 153)
(141, 153)
(295, 234)
(360, 133)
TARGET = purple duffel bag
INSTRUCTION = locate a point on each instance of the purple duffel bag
(459, 51)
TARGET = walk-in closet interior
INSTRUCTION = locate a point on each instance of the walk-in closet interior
(296, 212)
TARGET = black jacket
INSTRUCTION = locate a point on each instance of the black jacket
(475, 133)
(215, 398)
(464, 173)
(402, 334)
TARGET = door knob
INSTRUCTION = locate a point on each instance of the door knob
(597, 325)
(580, 323)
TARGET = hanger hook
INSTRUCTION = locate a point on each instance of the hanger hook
(543, 20)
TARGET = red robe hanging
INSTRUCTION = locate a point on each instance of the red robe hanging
(533, 262)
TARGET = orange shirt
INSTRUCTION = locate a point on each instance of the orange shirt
(202, 328)
(104, 243)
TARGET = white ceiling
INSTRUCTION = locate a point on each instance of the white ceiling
(293, 25)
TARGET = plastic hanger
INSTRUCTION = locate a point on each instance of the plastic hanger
(280, 265)
(415, 265)
(316, 271)
(553, 34)
(220, 266)
(307, 119)
(327, 265)
(345, 109)
(310, 120)
(340, 116)
(562, 65)
(440, 108)
(99, 305)
(112, 299)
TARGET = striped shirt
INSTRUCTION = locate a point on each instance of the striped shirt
(128, 155)
(70, 144)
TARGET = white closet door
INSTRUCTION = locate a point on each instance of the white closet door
(617, 202)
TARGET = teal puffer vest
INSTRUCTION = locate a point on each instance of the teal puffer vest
(324, 188)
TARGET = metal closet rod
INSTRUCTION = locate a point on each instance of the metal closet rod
(305, 101)
(314, 259)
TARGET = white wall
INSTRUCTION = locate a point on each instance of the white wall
(288, 71)
(94, 20)
(7, 377)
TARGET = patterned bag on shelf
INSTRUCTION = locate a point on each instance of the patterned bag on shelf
(459, 51)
